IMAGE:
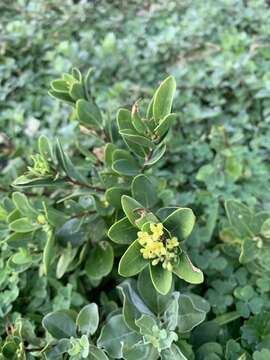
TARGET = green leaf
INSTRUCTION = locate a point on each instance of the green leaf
(100, 260)
(23, 225)
(22, 204)
(17, 240)
(108, 154)
(89, 114)
(240, 218)
(161, 278)
(122, 232)
(96, 354)
(61, 96)
(136, 213)
(49, 252)
(265, 229)
(263, 354)
(126, 167)
(153, 299)
(133, 306)
(160, 338)
(174, 353)
(165, 124)
(114, 335)
(124, 120)
(146, 323)
(137, 121)
(187, 271)
(140, 351)
(67, 166)
(113, 196)
(156, 155)
(132, 262)
(180, 223)
(170, 315)
(65, 260)
(45, 148)
(163, 98)
(77, 91)
(189, 315)
(59, 324)
(144, 191)
(26, 182)
(88, 319)
(132, 136)
(60, 85)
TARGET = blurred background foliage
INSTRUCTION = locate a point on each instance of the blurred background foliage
(219, 53)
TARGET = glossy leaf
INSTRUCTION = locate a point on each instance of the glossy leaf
(144, 191)
(132, 261)
(89, 114)
(161, 278)
(163, 98)
(180, 223)
(153, 299)
(122, 232)
(136, 213)
(185, 270)
(100, 261)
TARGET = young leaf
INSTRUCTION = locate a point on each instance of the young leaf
(173, 353)
(163, 98)
(23, 225)
(66, 164)
(165, 124)
(22, 204)
(49, 252)
(89, 114)
(156, 155)
(88, 319)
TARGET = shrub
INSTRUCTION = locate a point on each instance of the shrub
(216, 151)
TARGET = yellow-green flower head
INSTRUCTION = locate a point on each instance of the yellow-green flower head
(157, 230)
(172, 243)
(157, 248)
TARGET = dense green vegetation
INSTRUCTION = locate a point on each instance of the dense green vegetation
(216, 163)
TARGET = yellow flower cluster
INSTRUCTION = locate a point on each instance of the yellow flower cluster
(156, 247)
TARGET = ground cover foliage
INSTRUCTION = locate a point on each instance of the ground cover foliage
(63, 293)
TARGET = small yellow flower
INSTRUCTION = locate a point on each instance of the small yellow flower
(144, 238)
(157, 230)
(156, 248)
(172, 243)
